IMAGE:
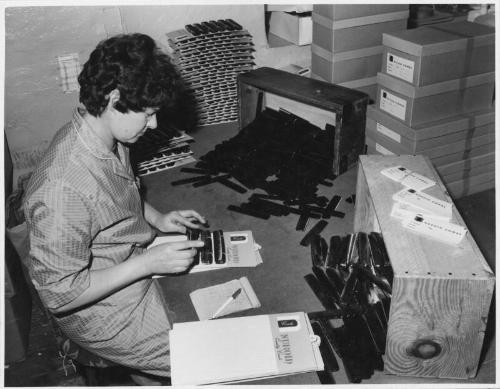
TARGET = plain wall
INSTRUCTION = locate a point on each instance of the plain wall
(35, 104)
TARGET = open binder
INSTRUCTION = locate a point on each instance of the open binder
(243, 348)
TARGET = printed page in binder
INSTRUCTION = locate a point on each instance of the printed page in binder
(243, 348)
(206, 301)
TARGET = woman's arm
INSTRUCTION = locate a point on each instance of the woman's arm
(175, 221)
(161, 259)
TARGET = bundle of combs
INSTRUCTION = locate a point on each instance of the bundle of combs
(209, 56)
(214, 250)
(283, 155)
(160, 150)
(352, 277)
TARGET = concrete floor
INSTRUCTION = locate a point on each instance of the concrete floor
(42, 365)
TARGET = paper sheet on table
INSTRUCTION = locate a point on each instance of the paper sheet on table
(207, 300)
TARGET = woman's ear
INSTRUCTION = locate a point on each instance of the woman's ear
(114, 97)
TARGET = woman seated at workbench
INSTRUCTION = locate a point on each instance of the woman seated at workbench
(88, 226)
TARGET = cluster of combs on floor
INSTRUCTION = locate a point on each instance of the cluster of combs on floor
(352, 278)
(281, 154)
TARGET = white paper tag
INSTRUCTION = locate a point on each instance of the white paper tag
(382, 150)
(396, 173)
(400, 67)
(389, 133)
(406, 211)
(417, 181)
(440, 230)
(422, 200)
(392, 104)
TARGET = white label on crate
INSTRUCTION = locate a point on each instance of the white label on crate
(391, 134)
(392, 104)
(437, 229)
(382, 150)
(400, 67)
(422, 200)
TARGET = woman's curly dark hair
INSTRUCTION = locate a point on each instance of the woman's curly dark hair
(133, 64)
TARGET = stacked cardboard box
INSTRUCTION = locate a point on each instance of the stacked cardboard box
(347, 42)
(435, 97)
(209, 56)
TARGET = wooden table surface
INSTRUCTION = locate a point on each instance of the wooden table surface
(279, 281)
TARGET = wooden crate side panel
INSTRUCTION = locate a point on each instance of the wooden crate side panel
(410, 251)
(450, 312)
(365, 219)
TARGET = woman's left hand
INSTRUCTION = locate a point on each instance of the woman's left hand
(177, 221)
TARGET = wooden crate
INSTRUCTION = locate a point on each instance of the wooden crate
(441, 294)
(320, 103)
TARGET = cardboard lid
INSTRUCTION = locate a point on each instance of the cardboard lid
(357, 22)
(351, 11)
(424, 41)
(479, 34)
(412, 91)
(346, 55)
(433, 129)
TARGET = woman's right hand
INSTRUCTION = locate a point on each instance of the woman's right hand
(175, 257)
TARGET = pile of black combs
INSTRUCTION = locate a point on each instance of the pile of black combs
(281, 154)
(213, 26)
(352, 277)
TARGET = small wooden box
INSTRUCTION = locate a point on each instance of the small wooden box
(316, 101)
(418, 105)
(441, 294)
(438, 53)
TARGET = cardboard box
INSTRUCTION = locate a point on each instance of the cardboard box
(466, 164)
(471, 185)
(299, 8)
(353, 11)
(412, 140)
(443, 52)
(418, 105)
(366, 85)
(295, 28)
(355, 34)
(463, 146)
(469, 172)
(346, 66)
(441, 293)
(385, 147)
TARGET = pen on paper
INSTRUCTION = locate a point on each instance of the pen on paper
(226, 303)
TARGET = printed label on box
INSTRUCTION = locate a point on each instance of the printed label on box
(382, 150)
(392, 104)
(391, 134)
(400, 67)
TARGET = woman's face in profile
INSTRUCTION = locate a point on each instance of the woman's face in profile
(130, 126)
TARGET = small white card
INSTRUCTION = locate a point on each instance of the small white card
(436, 229)
(424, 201)
(408, 178)
(417, 181)
(406, 211)
(396, 173)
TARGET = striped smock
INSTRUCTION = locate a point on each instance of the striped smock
(84, 211)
